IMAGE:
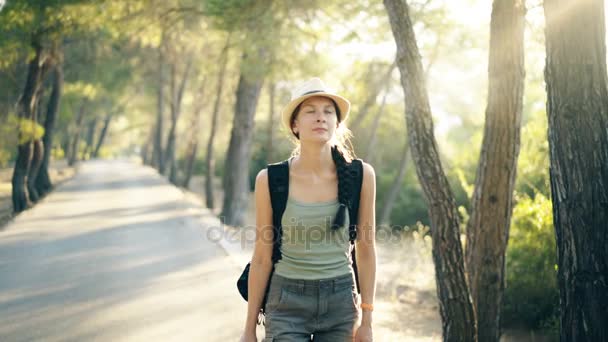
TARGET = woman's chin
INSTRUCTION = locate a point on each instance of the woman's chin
(319, 139)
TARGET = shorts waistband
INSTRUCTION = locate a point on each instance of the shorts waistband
(333, 283)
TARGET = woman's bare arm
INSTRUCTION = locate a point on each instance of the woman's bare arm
(366, 241)
(261, 261)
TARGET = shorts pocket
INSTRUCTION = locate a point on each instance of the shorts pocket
(276, 300)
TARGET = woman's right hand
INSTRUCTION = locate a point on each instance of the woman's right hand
(248, 337)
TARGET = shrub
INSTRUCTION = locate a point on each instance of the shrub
(531, 295)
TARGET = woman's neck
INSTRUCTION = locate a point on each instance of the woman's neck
(316, 159)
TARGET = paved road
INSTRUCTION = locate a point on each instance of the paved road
(116, 254)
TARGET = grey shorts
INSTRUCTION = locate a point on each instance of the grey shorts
(311, 310)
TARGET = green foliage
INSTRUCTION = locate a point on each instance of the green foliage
(29, 130)
(57, 153)
(531, 293)
(533, 163)
(410, 206)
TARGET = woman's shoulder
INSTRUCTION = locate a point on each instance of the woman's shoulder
(368, 169)
(262, 178)
(369, 174)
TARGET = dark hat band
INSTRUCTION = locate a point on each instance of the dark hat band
(312, 92)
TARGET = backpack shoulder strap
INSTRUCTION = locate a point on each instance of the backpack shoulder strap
(356, 173)
(278, 183)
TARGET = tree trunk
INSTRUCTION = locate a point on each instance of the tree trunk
(270, 126)
(35, 163)
(91, 126)
(191, 153)
(26, 110)
(455, 307)
(146, 152)
(177, 94)
(391, 197)
(210, 159)
(43, 180)
(236, 176)
(102, 135)
(195, 123)
(577, 110)
(492, 200)
(159, 158)
(22, 163)
(38, 147)
(76, 134)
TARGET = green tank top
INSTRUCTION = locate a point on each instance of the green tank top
(310, 248)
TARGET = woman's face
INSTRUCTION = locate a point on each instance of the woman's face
(317, 119)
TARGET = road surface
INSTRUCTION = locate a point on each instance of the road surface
(116, 254)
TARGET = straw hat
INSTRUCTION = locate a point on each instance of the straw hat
(310, 88)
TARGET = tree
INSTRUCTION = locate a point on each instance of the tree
(43, 181)
(577, 111)
(159, 158)
(455, 304)
(193, 133)
(28, 141)
(236, 177)
(258, 21)
(492, 201)
(210, 157)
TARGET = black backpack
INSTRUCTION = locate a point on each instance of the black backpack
(278, 183)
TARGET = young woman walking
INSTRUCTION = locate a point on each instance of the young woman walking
(312, 294)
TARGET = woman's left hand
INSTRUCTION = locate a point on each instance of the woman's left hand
(364, 334)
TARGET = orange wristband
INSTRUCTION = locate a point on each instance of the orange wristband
(368, 307)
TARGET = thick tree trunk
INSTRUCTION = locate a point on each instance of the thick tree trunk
(43, 180)
(26, 110)
(492, 201)
(577, 110)
(38, 147)
(236, 176)
(210, 158)
(391, 196)
(455, 307)
(35, 163)
(102, 135)
(19, 195)
(159, 158)
(76, 134)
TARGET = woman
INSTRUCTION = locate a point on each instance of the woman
(312, 292)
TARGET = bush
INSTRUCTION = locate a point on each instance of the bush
(531, 295)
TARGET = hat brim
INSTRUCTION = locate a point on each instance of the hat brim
(343, 105)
